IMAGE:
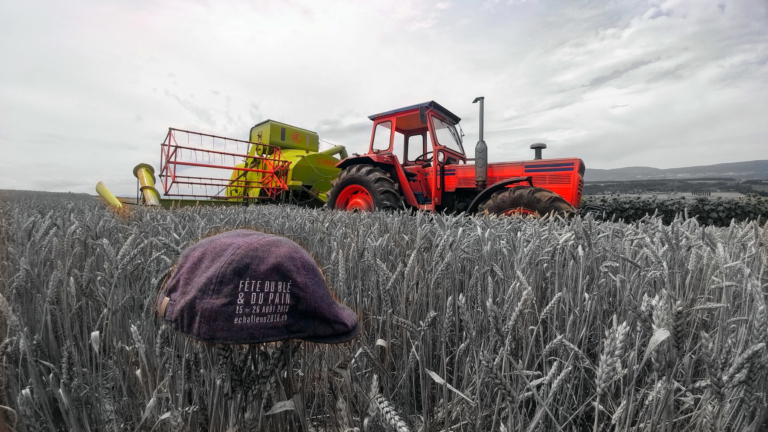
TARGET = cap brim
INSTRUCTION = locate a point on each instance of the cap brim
(339, 337)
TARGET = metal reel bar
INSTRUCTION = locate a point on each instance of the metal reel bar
(205, 160)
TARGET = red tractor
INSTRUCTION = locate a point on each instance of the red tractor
(416, 160)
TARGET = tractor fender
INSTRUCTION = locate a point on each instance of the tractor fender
(384, 161)
(355, 160)
(490, 190)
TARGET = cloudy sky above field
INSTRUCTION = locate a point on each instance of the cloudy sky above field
(88, 89)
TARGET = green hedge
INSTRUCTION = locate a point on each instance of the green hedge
(707, 210)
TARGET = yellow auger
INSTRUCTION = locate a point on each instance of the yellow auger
(146, 175)
(110, 198)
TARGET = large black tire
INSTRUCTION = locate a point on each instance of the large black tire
(376, 181)
(528, 198)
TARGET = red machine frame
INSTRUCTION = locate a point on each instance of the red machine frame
(273, 167)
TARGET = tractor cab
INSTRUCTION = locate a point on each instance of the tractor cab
(413, 133)
(414, 145)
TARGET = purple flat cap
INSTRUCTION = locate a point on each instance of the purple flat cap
(247, 287)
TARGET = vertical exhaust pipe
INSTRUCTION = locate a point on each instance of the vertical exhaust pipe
(481, 153)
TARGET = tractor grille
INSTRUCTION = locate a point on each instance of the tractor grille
(578, 191)
(558, 179)
(551, 180)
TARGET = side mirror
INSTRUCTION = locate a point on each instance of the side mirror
(423, 114)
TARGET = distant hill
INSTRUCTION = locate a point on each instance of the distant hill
(738, 170)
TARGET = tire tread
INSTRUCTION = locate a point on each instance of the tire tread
(384, 186)
(535, 199)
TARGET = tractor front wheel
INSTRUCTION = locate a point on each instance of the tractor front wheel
(364, 188)
(526, 200)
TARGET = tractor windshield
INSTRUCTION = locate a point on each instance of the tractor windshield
(446, 135)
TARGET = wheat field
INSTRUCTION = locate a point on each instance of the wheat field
(469, 324)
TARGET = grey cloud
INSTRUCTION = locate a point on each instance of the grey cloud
(576, 74)
(551, 103)
(349, 130)
(340, 124)
(618, 73)
(255, 111)
(669, 74)
(205, 115)
(353, 135)
(656, 13)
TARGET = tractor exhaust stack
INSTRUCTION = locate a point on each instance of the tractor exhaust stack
(481, 153)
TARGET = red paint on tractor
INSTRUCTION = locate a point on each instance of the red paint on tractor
(355, 198)
(564, 181)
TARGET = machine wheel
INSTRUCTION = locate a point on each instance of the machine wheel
(364, 188)
(526, 200)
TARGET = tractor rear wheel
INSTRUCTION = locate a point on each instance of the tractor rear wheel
(526, 200)
(364, 188)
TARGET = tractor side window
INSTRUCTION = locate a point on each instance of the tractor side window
(415, 146)
(398, 145)
(381, 136)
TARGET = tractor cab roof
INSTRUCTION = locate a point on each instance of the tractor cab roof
(431, 105)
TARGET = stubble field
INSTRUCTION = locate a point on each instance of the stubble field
(469, 324)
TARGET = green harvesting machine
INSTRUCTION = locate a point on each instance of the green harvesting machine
(310, 171)
(279, 163)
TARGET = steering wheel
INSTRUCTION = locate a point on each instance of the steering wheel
(423, 158)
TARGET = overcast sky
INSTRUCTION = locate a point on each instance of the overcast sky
(88, 89)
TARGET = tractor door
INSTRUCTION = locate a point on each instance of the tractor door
(447, 152)
(416, 165)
